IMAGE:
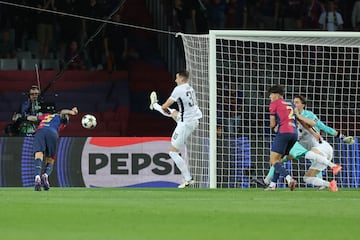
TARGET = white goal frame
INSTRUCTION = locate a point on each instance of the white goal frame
(332, 40)
(215, 34)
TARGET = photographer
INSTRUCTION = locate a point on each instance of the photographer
(33, 106)
(21, 126)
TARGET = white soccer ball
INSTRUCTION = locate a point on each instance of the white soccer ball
(88, 121)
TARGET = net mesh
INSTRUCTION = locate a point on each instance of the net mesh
(198, 145)
(325, 70)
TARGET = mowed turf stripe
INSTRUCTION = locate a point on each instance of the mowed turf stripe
(114, 213)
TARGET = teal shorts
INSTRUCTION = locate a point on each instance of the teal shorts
(298, 151)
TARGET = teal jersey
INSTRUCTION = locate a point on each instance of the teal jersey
(319, 125)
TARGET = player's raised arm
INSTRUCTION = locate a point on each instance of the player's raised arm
(300, 102)
(32, 118)
(167, 104)
(304, 120)
(73, 111)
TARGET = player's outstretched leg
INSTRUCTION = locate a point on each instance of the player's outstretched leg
(316, 182)
(323, 160)
(153, 100)
(259, 182)
(155, 106)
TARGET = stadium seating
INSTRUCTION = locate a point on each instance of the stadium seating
(29, 63)
(23, 54)
(33, 47)
(8, 64)
(50, 64)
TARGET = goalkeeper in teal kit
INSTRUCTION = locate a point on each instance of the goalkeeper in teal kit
(307, 145)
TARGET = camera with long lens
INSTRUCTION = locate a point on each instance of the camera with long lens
(47, 107)
(38, 108)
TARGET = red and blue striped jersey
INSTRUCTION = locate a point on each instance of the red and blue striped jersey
(52, 122)
(285, 117)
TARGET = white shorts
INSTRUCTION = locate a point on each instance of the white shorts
(327, 151)
(182, 131)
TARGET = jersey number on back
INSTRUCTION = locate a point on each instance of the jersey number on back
(291, 113)
(192, 100)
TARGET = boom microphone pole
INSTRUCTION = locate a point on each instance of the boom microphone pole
(82, 48)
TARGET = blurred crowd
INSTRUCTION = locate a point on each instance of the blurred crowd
(197, 16)
(49, 35)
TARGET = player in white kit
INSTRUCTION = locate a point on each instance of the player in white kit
(307, 140)
(187, 119)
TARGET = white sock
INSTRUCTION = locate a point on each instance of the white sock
(267, 179)
(316, 181)
(180, 163)
(158, 108)
(37, 177)
(272, 184)
(288, 178)
(319, 158)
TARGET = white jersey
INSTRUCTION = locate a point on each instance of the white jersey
(308, 141)
(305, 138)
(185, 97)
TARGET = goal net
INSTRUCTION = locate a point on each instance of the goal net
(231, 71)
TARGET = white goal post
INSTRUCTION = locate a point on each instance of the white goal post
(231, 70)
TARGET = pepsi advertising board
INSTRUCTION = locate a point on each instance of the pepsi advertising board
(93, 162)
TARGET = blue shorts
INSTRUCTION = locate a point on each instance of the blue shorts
(283, 142)
(45, 141)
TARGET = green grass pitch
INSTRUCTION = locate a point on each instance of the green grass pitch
(171, 214)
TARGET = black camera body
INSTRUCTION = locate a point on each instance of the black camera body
(47, 107)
